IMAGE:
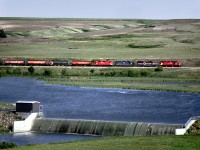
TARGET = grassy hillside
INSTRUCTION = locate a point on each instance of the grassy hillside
(93, 39)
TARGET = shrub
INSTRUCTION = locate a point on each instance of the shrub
(159, 68)
(145, 73)
(107, 74)
(5, 145)
(47, 72)
(131, 73)
(2, 34)
(102, 74)
(113, 73)
(17, 71)
(144, 46)
(92, 71)
(8, 71)
(31, 69)
(63, 72)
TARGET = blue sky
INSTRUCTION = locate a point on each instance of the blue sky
(142, 9)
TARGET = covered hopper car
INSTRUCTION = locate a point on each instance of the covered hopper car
(81, 63)
(13, 62)
(37, 63)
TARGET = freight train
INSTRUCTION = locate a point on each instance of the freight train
(101, 63)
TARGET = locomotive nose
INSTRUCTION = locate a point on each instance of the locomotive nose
(51, 62)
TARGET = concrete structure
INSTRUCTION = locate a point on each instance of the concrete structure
(28, 106)
(188, 124)
(28, 110)
(26, 125)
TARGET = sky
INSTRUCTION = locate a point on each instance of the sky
(130, 9)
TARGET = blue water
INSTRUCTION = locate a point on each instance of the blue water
(42, 138)
(70, 102)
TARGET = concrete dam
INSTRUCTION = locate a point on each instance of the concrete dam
(102, 128)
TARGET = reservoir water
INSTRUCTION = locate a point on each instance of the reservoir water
(42, 138)
(70, 102)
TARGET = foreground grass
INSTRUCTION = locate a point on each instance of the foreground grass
(128, 143)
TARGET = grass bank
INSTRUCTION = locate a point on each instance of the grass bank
(128, 83)
(170, 79)
(128, 143)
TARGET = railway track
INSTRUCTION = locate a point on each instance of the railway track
(95, 67)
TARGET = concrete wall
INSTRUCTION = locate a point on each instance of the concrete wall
(103, 128)
(24, 126)
(182, 131)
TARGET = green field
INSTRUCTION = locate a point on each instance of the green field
(128, 143)
(94, 39)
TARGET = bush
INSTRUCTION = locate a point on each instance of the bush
(63, 72)
(144, 46)
(159, 68)
(17, 71)
(5, 145)
(31, 69)
(145, 73)
(47, 72)
(131, 73)
(8, 71)
(113, 73)
(101, 74)
(2, 33)
(92, 71)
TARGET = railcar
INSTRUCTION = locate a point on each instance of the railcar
(58, 63)
(81, 63)
(124, 63)
(13, 62)
(147, 64)
(37, 63)
(102, 63)
(170, 63)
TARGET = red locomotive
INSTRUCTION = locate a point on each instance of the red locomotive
(170, 63)
(103, 63)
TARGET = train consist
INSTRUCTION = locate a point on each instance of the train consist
(101, 63)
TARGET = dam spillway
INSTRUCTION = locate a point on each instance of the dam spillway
(102, 128)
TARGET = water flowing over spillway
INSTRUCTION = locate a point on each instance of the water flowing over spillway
(102, 128)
